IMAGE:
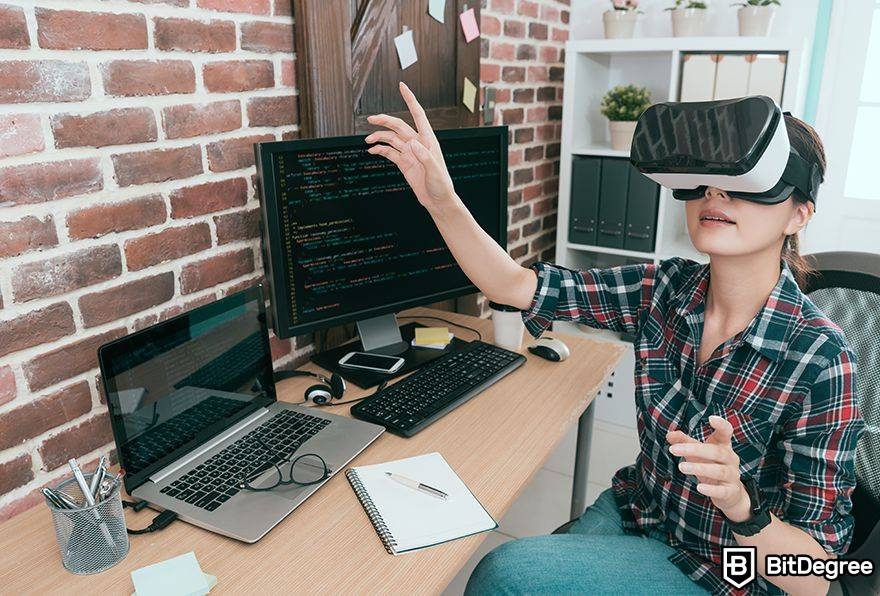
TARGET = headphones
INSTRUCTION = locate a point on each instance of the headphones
(321, 393)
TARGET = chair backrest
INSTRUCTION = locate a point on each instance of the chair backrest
(847, 290)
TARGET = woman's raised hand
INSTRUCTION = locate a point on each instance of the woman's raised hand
(416, 153)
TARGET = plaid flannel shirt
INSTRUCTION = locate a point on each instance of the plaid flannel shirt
(786, 383)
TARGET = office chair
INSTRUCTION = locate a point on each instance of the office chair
(847, 290)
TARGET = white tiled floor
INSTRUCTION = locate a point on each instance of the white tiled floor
(545, 504)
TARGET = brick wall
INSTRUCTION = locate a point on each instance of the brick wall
(127, 184)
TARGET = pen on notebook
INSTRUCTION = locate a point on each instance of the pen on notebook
(428, 490)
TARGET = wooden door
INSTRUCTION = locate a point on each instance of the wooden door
(348, 67)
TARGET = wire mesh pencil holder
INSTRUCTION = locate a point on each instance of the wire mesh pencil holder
(91, 538)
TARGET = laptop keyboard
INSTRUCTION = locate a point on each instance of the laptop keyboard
(231, 369)
(215, 481)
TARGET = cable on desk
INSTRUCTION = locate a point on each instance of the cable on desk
(447, 321)
(160, 522)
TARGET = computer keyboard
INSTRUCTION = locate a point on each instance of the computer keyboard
(431, 392)
(215, 481)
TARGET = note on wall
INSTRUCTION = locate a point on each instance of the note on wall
(697, 77)
(406, 49)
(469, 95)
(767, 76)
(436, 8)
(731, 76)
(469, 25)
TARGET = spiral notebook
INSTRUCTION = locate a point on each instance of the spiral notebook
(406, 519)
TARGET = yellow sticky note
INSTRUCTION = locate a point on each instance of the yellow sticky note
(469, 95)
(432, 335)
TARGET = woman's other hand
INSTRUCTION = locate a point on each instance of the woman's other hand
(416, 153)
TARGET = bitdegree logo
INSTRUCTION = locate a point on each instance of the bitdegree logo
(739, 566)
(830, 569)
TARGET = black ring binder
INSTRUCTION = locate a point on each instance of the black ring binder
(375, 518)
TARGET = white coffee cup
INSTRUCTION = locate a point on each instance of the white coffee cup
(507, 325)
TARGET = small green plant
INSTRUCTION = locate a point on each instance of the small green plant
(757, 3)
(625, 102)
(685, 4)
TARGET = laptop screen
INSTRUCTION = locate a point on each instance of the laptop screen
(177, 384)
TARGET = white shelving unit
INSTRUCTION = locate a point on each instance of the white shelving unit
(592, 67)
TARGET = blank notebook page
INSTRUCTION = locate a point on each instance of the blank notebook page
(415, 519)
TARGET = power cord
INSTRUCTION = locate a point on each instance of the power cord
(160, 522)
(447, 321)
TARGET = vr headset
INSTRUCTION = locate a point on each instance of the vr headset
(737, 145)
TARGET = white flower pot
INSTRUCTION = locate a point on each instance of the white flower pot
(755, 21)
(622, 134)
(689, 22)
(619, 23)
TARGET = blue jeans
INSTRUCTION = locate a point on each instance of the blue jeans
(596, 556)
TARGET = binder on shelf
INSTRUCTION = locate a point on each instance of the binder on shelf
(585, 177)
(612, 204)
(641, 212)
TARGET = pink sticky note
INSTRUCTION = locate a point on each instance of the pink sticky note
(469, 25)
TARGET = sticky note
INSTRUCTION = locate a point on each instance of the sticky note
(469, 95)
(436, 8)
(180, 576)
(469, 25)
(406, 49)
(432, 335)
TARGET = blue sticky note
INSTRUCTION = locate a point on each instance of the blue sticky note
(180, 576)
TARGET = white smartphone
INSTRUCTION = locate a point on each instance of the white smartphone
(374, 362)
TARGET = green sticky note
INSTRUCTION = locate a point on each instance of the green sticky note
(180, 576)
(432, 335)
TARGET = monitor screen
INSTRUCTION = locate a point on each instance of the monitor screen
(175, 385)
(348, 240)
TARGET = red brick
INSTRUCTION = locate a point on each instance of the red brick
(15, 473)
(8, 390)
(119, 302)
(528, 9)
(273, 111)
(157, 165)
(167, 245)
(489, 73)
(259, 36)
(76, 441)
(503, 51)
(282, 8)
(26, 234)
(13, 29)
(36, 327)
(513, 74)
(148, 77)
(251, 6)
(489, 25)
(44, 413)
(194, 36)
(239, 225)
(232, 76)
(502, 6)
(234, 154)
(20, 134)
(67, 361)
(90, 30)
(193, 120)
(65, 273)
(288, 72)
(208, 197)
(114, 127)
(279, 347)
(171, 2)
(20, 505)
(248, 282)
(215, 270)
(514, 28)
(41, 182)
(43, 81)
(175, 310)
(101, 219)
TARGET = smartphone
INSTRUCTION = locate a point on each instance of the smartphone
(374, 362)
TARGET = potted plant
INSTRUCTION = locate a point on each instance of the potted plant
(756, 16)
(623, 105)
(620, 21)
(689, 18)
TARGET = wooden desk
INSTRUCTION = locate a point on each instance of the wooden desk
(496, 443)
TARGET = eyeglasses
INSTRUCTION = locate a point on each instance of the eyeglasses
(305, 469)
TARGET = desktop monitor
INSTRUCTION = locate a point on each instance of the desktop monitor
(345, 239)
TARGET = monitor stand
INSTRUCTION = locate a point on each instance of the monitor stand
(382, 335)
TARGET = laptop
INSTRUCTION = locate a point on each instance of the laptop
(194, 412)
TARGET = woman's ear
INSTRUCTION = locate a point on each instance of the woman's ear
(800, 216)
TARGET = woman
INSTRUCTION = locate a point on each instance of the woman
(742, 386)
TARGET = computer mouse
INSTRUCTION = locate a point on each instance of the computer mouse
(550, 348)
